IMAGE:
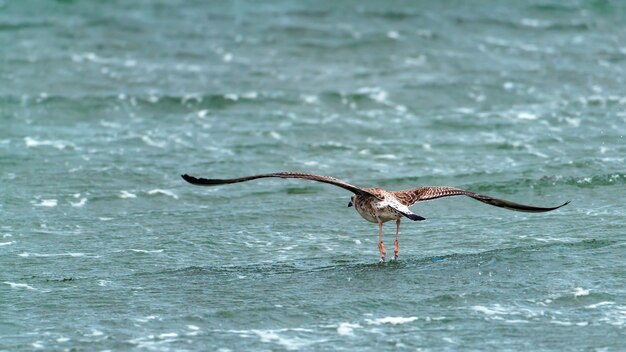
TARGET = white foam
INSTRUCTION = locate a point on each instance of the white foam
(250, 95)
(49, 203)
(275, 135)
(391, 320)
(386, 156)
(80, 203)
(95, 332)
(145, 251)
(88, 56)
(579, 291)
(109, 124)
(164, 192)
(435, 318)
(231, 96)
(393, 35)
(59, 144)
(273, 336)
(168, 335)
(495, 310)
(526, 116)
(563, 323)
(18, 286)
(309, 99)
(615, 316)
(347, 329)
(69, 254)
(151, 142)
(600, 304)
(574, 122)
(37, 344)
(419, 60)
(148, 318)
(126, 194)
(152, 98)
(130, 63)
(6, 243)
(534, 23)
(375, 93)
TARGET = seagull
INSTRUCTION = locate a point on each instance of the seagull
(377, 205)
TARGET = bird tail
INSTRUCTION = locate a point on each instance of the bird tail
(414, 217)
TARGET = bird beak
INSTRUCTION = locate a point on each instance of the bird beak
(350, 204)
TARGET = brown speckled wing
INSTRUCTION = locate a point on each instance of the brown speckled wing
(301, 175)
(412, 196)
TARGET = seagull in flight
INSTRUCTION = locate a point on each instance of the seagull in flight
(378, 205)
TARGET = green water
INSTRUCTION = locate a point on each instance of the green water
(104, 104)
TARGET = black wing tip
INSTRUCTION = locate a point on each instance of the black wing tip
(564, 204)
(192, 180)
(554, 208)
(415, 217)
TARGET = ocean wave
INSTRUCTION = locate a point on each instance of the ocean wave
(164, 192)
(389, 14)
(31, 142)
(7, 26)
(197, 101)
(288, 338)
(69, 254)
(306, 266)
(347, 329)
(604, 180)
(47, 203)
(142, 251)
(391, 320)
(19, 286)
(200, 104)
(527, 23)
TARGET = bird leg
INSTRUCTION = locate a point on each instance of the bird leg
(396, 244)
(381, 246)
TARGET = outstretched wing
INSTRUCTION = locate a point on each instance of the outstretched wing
(312, 177)
(412, 196)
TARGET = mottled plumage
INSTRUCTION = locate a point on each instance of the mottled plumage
(378, 205)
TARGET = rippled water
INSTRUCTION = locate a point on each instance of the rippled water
(103, 105)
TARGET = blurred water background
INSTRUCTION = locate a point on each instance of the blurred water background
(103, 105)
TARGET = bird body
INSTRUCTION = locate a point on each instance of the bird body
(377, 205)
(385, 207)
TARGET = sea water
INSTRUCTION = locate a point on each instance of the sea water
(103, 105)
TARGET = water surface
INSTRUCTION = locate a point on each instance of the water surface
(104, 247)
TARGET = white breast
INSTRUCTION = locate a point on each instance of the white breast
(382, 209)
